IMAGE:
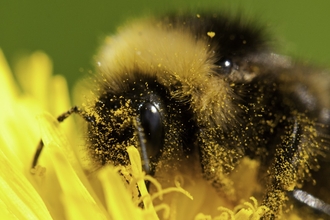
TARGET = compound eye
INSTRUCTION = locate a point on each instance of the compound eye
(151, 123)
(226, 65)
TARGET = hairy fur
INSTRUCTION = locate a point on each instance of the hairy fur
(263, 106)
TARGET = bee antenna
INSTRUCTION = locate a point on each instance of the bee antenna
(61, 118)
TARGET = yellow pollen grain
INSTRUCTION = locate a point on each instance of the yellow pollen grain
(211, 34)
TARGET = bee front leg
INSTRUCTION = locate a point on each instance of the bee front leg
(217, 162)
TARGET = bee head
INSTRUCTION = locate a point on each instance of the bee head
(166, 85)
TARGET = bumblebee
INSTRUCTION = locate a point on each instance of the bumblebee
(206, 90)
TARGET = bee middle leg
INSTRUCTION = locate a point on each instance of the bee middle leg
(293, 159)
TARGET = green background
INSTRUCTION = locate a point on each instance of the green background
(71, 31)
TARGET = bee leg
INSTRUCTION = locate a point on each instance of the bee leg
(216, 164)
(61, 118)
(313, 202)
(291, 164)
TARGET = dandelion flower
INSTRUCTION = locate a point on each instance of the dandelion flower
(59, 187)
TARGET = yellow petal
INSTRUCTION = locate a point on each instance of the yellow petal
(18, 198)
(75, 190)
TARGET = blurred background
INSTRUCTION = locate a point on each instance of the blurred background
(71, 31)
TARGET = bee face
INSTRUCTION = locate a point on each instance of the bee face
(144, 115)
(207, 85)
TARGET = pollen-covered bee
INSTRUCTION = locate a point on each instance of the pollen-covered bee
(206, 90)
